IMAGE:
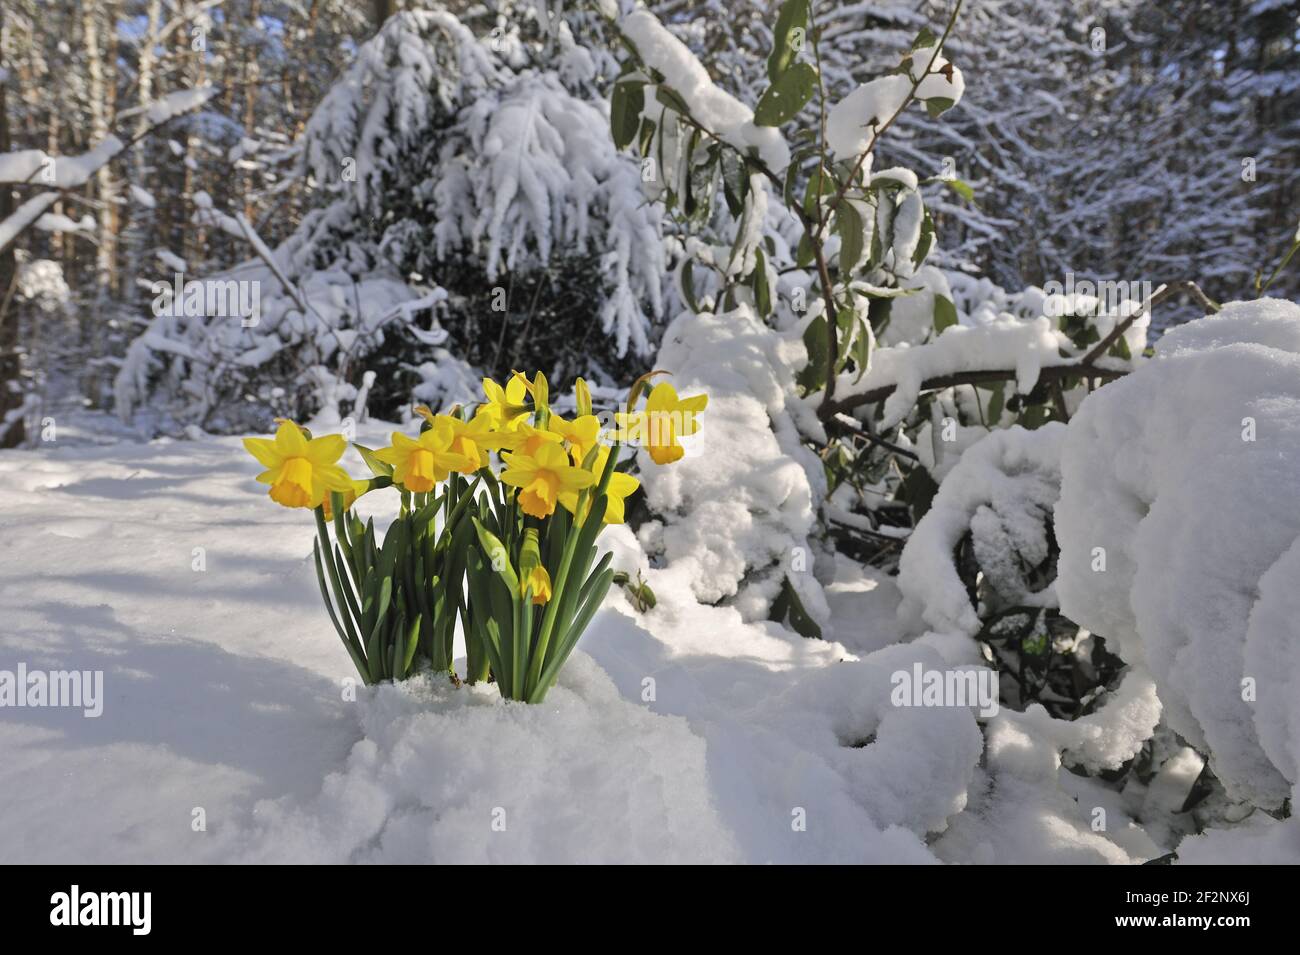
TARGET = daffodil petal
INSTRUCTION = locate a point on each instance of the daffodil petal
(264, 450)
(327, 449)
(289, 440)
(694, 404)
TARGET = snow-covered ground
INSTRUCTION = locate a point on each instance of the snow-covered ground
(231, 730)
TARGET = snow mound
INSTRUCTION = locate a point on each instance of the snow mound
(462, 776)
(1026, 808)
(1177, 508)
(1268, 322)
(808, 757)
(739, 507)
(1002, 490)
(1258, 841)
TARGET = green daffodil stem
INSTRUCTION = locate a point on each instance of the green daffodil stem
(553, 606)
(559, 592)
(323, 533)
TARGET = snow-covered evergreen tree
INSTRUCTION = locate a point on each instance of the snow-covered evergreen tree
(470, 197)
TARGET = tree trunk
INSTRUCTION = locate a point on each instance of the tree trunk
(12, 433)
(383, 9)
(142, 232)
(251, 76)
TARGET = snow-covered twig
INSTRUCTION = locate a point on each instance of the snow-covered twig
(1158, 296)
(72, 172)
(1086, 366)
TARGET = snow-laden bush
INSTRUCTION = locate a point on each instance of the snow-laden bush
(783, 210)
(741, 508)
(307, 351)
(471, 200)
(1001, 494)
(1177, 528)
(981, 564)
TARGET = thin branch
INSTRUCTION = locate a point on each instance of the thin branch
(870, 438)
(849, 402)
(1156, 298)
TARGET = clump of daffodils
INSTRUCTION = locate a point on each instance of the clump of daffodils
(498, 518)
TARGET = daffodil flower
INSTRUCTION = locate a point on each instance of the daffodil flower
(533, 438)
(505, 406)
(540, 582)
(581, 433)
(301, 472)
(420, 463)
(666, 416)
(582, 397)
(474, 439)
(539, 390)
(620, 487)
(542, 477)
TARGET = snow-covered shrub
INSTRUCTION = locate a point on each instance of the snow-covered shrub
(981, 563)
(741, 509)
(305, 355)
(903, 366)
(996, 506)
(1177, 525)
(52, 359)
(470, 201)
(771, 234)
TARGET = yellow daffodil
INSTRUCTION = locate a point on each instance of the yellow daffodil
(532, 573)
(620, 487)
(539, 390)
(581, 433)
(420, 463)
(506, 406)
(665, 418)
(300, 471)
(540, 582)
(533, 438)
(474, 439)
(541, 478)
